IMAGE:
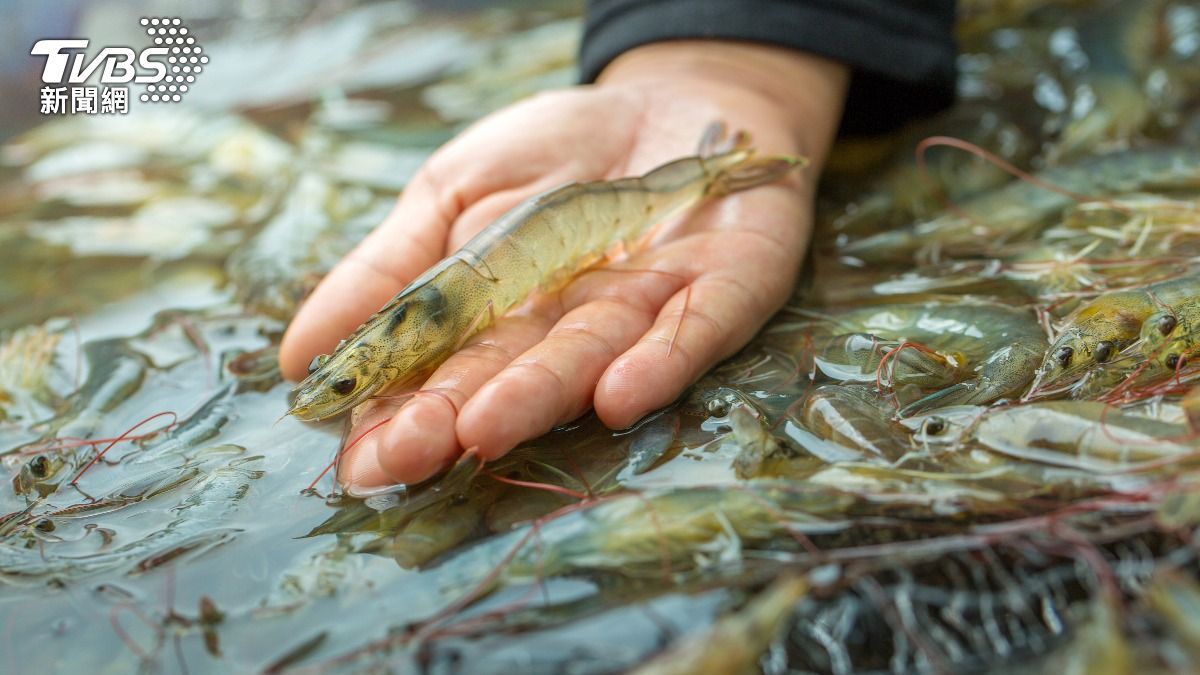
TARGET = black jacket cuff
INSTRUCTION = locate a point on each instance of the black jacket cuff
(902, 53)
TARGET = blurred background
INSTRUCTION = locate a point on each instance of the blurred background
(296, 99)
(276, 57)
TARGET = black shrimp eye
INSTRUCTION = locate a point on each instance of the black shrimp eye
(343, 387)
(935, 426)
(1172, 361)
(1063, 356)
(39, 467)
(1104, 352)
(318, 361)
(1166, 324)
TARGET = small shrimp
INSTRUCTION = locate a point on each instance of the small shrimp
(1003, 374)
(853, 416)
(1171, 338)
(1165, 343)
(1098, 331)
(859, 357)
(754, 439)
(1084, 435)
(38, 474)
(634, 533)
(973, 353)
(1168, 342)
(1020, 210)
(541, 244)
(442, 526)
(735, 643)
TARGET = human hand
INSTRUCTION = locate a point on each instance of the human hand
(610, 340)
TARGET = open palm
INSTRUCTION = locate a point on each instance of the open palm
(613, 339)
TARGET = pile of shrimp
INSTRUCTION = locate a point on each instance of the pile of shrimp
(972, 435)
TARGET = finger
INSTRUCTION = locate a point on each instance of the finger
(553, 381)
(719, 314)
(420, 438)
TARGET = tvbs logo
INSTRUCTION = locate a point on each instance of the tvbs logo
(116, 61)
(167, 68)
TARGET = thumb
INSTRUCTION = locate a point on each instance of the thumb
(408, 241)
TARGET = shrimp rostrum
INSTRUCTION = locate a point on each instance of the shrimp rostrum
(541, 244)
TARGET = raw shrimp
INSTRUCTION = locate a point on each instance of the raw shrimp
(541, 244)
(854, 416)
(1021, 209)
(972, 353)
(1098, 331)
(754, 439)
(1168, 341)
(1083, 434)
(733, 644)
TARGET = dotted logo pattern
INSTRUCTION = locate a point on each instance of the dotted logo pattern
(185, 59)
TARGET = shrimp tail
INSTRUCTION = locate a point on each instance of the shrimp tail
(753, 172)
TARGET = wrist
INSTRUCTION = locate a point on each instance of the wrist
(803, 92)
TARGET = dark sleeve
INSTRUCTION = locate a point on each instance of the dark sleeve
(902, 52)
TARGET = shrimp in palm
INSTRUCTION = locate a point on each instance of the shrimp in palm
(540, 245)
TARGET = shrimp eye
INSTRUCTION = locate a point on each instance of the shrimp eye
(1103, 352)
(1063, 356)
(343, 387)
(935, 426)
(1166, 324)
(318, 361)
(39, 467)
(1172, 361)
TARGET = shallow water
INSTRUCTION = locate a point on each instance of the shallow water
(958, 538)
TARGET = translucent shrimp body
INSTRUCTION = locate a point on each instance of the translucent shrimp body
(971, 353)
(540, 245)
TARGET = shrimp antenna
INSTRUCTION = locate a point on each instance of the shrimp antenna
(1002, 164)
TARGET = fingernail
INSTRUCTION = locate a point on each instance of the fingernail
(362, 468)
